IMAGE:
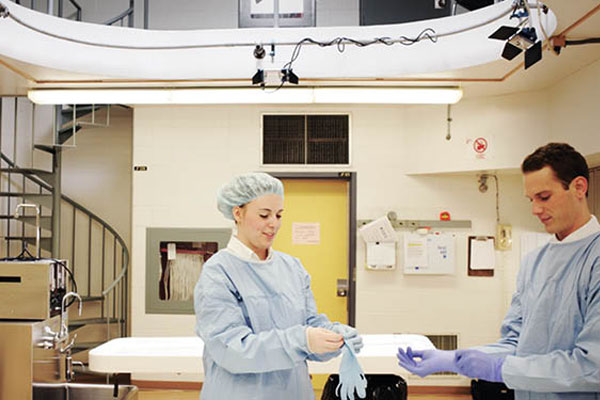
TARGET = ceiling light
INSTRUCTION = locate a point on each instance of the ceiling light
(298, 95)
(384, 95)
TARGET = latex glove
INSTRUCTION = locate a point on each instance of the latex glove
(352, 378)
(350, 335)
(321, 340)
(480, 365)
(430, 361)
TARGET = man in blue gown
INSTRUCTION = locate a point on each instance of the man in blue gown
(550, 337)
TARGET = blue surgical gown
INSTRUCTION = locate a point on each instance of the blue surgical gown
(551, 332)
(252, 318)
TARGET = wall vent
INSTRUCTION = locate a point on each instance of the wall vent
(444, 342)
(306, 139)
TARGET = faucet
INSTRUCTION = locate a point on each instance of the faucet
(64, 334)
(38, 230)
(64, 331)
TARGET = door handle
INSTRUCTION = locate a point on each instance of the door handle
(342, 287)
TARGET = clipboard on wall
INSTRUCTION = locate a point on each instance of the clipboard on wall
(481, 256)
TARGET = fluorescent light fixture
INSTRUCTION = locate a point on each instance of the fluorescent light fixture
(300, 95)
(384, 95)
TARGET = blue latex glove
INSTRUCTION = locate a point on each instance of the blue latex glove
(350, 335)
(480, 365)
(425, 362)
(352, 378)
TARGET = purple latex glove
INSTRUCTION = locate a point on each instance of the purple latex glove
(425, 362)
(480, 365)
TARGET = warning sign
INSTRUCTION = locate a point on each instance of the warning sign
(480, 145)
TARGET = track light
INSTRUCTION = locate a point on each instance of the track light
(288, 76)
(259, 78)
(517, 41)
(274, 77)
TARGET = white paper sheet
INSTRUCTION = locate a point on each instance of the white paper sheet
(432, 254)
(381, 255)
(306, 233)
(379, 230)
(483, 255)
(415, 250)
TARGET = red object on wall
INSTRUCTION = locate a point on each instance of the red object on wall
(444, 216)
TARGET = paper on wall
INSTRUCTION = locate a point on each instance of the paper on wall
(483, 255)
(379, 230)
(415, 250)
(381, 255)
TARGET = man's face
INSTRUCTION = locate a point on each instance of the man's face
(556, 207)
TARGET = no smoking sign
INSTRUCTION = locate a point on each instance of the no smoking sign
(480, 145)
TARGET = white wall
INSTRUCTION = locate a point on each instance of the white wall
(402, 160)
(193, 150)
(575, 115)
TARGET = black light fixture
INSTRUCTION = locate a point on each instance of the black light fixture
(274, 77)
(517, 41)
(288, 76)
(259, 78)
(520, 39)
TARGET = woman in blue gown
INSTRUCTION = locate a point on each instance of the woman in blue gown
(254, 306)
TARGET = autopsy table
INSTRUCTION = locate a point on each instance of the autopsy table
(184, 355)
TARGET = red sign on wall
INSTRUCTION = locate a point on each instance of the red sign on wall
(480, 145)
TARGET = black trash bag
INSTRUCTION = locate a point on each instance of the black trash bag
(379, 387)
(484, 390)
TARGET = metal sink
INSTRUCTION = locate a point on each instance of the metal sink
(82, 391)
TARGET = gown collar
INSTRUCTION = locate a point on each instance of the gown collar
(591, 227)
(239, 249)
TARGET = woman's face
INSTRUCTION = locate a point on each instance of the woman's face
(258, 222)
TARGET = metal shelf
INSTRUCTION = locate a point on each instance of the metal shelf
(420, 223)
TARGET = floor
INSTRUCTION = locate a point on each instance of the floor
(154, 394)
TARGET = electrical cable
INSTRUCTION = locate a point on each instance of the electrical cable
(578, 42)
(497, 199)
(340, 42)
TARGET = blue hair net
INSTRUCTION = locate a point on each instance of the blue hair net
(244, 188)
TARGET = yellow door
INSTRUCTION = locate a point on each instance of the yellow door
(315, 229)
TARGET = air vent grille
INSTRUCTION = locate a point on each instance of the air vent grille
(306, 139)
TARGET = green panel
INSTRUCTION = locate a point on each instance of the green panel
(185, 238)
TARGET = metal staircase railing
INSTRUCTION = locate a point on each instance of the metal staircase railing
(76, 13)
(121, 17)
(104, 284)
(50, 8)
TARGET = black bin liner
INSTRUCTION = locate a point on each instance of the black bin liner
(379, 387)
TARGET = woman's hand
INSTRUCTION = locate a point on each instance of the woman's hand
(321, 340)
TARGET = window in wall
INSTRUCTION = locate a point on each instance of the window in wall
(181, 264)
(306, 139)
(261, 13)
(174, 260)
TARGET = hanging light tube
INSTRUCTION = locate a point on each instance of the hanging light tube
(301, 95)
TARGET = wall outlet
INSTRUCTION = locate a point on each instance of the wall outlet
(503, 237)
